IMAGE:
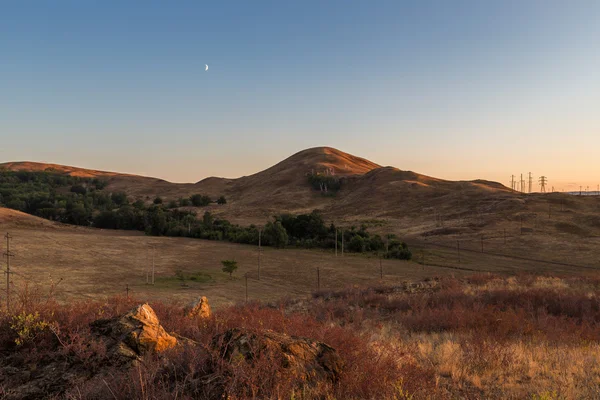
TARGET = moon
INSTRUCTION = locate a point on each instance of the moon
(206, 65)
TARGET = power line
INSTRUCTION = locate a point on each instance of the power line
(543, 182)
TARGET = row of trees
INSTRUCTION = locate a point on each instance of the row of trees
(82, 201)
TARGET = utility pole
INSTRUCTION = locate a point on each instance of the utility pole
(336, 241)
(8, 255)
(259, 250)
(530, 182)
(147, 269)
(543, 183)
(522, 184)
(521, 224)
(318, 279)
(512, 182)
(153, 254)
(342, 243)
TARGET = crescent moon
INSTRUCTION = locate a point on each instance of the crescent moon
(206, 69)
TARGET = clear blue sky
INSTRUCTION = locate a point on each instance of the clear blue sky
(454, 89)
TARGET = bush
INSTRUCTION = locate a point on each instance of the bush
(199, 200)
(222, 200)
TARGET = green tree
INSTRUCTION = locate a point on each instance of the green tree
(208, 220)
(119, 198)
(158, 200)
(199, 200)
(222, 200)
(229, 266)
(79, 189)
(357, 244)
(275, 234)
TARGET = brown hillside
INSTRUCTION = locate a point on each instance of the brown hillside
(369, 191)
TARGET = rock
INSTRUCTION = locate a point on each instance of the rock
(309, 360)
(198, 308)
(134, 334)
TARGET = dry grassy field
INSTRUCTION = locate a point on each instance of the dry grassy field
(91, 263)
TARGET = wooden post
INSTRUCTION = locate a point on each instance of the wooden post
(342, 243)
(127, 291)
(318, 279)
(482, 242)
(458, 249)
(521, 224)
(336, 241)
(8, 255)
(259, 250)
(380, 268)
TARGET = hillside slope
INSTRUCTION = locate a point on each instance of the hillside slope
(368, 189)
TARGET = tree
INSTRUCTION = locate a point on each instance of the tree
(275, 234)
(119, 198)
(199, 200)
(357, 244)
(79, 189)
(208, 220)
(222, 200)
(158, 200)
(184, 202)
(229, 266)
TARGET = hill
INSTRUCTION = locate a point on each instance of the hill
(406, 202)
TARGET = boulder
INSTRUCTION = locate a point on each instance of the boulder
(198, 308)
(309, 360)
(134, 334)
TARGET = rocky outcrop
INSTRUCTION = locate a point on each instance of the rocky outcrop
(134, 334)
(309, 360)
(198, 308)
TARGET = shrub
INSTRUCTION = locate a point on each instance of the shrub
(199, 200)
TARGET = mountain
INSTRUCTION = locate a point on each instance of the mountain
(368, 190)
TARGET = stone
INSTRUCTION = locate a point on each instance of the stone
(134, 334)
(198, 308)
(309, 360)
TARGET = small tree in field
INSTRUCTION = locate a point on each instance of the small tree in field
(229, 266)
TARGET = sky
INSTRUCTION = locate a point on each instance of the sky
(452, 89)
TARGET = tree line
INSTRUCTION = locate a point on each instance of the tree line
(84, 201)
